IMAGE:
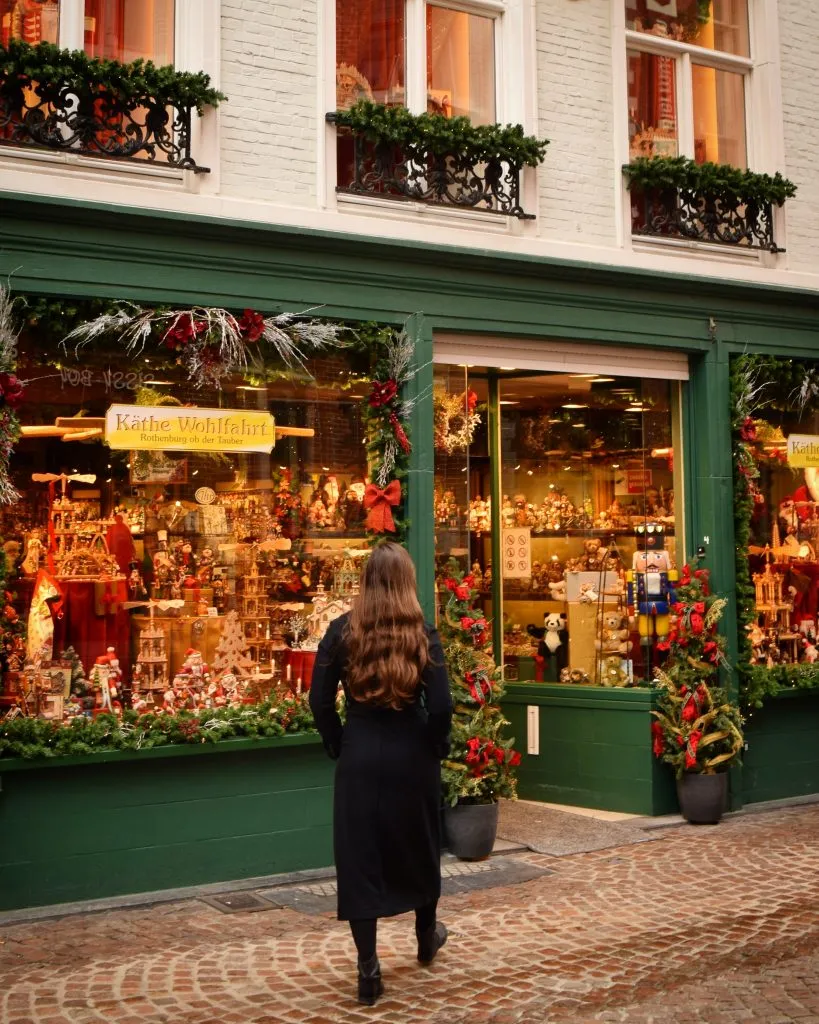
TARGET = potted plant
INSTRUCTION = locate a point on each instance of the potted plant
(480, 767)
(697, 730)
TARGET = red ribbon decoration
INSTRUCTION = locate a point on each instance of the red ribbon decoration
(400, 434)
(383, 392)
(379, 502)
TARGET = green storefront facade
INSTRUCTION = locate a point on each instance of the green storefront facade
(113, 824)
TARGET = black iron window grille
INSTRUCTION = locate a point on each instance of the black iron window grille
(56, 116)
(413, 173)
(703, 217)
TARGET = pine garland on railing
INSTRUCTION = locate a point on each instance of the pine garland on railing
(47, 64)
(680, 172)
(442, 136)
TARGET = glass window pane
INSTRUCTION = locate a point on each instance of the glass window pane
(460, 65)
(652, 105)
(719, 116)
(258, 550)
(34, 21)
(714, 24)
(588, 473)
(116, 30)
(369, 52)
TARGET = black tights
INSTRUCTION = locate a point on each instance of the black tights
(365, 929)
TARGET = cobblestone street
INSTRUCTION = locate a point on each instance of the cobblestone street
(704, 924)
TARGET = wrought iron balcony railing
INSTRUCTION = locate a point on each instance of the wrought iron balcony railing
(703, 217)
(98, 122)
(414, 173)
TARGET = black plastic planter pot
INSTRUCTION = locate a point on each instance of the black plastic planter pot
(703, 798)
(470, 830)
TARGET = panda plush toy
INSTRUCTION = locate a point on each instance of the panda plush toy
(553, 648)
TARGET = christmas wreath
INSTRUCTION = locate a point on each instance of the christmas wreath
(456, 420)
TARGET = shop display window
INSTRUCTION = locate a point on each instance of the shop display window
(585, 470)
(160, 556)
(783, 537)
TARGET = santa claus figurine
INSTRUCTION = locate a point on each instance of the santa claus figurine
(194, 665)
(108, 675)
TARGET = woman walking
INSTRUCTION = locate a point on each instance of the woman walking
(386, 817)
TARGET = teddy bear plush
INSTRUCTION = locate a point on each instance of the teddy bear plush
(613, 633)
(593, 557)
(612, 672)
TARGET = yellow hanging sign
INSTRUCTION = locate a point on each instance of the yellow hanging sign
(170, 428)
(803, 451)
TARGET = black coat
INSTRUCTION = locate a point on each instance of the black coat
(386, 812)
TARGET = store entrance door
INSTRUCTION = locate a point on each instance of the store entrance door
(562, 492)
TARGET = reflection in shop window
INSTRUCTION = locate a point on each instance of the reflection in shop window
(180, 578)
(588, 521)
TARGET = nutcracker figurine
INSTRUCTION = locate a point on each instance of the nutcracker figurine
(651, 588)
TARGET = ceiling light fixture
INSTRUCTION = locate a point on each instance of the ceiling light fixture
(573, 405)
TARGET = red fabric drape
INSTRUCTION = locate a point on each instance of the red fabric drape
(89, 633)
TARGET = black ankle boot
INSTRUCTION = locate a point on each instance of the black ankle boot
(370, 986)
(430, 941)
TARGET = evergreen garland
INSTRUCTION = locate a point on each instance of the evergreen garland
(46, 66)
(31, 738)
(659, 173)
(442, 136)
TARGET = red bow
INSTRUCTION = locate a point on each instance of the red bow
(383, 392)
(380, 502)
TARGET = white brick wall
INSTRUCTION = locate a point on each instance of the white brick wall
(576, 114)
(799, 35)
(268, 126)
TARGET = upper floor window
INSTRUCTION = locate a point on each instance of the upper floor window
(121, 30)
(689, 65)
(425, 56)
(128, 29)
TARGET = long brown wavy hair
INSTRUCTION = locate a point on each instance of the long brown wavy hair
(387, 646)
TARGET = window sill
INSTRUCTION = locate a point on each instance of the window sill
(94, 168)
(702, 250)
(407, 210)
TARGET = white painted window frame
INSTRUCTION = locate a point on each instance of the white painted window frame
(515, 90)
(764, 134)
(197, 34)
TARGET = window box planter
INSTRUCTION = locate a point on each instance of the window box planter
(432, 159)
(65, 101)
(678, 198)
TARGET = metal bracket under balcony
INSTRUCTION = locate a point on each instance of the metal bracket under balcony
(99, 124)
(412, 173)
(703, 217)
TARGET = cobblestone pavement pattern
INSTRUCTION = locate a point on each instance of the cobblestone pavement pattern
(717, 925)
